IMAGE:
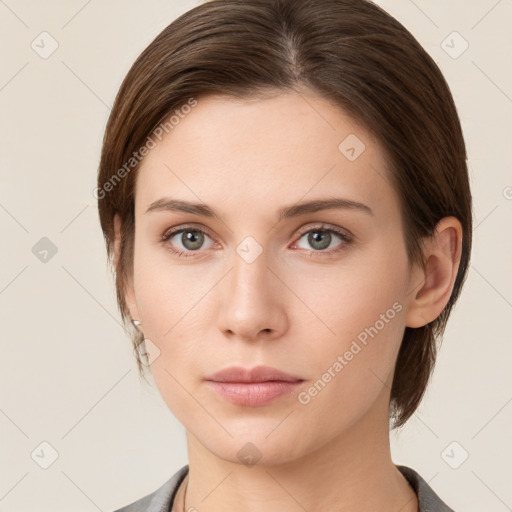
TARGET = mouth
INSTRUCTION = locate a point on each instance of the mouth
(253, 387)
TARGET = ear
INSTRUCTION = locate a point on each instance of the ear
(128, 288)
(432, 285)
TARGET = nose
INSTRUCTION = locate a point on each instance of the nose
(252, 301)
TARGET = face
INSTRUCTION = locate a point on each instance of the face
(319, 293)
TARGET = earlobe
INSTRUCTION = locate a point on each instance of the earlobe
(127, 281)
(432, 285)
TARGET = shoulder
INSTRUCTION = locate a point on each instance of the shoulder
(428, 500)
(161, 499)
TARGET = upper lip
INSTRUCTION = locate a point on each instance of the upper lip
(256, 374)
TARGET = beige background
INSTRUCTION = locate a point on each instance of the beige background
(67, 373)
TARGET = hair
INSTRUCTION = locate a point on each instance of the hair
(350, 52)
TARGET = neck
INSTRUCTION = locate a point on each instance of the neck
(353, 471)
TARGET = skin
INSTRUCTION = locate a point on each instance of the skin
(294, 307)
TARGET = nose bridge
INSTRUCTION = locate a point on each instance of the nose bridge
(251, 300)
(250, 277)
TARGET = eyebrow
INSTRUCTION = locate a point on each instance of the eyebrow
(170, 204)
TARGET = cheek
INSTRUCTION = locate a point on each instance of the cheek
(168, 301)
(353, 350)
(361, 295)
(352, 370)
(174, 303)
(166, 293)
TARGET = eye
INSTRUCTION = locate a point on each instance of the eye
(322, 237)
(185, 240)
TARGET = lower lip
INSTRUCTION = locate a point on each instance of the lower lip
(253, 394)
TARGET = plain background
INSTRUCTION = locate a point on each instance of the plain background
(68, 376)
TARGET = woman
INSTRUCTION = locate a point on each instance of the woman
(284, 195)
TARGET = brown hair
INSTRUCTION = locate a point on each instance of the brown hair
(349, 51)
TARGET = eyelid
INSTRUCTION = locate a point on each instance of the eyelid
(323, 226)
(191, 226)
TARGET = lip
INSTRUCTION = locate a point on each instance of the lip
(256, 374)
(253, 387)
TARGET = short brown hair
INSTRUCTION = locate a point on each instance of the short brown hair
(349, 51)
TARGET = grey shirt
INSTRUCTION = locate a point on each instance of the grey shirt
(161, 500)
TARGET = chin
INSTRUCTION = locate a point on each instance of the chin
(253, 447)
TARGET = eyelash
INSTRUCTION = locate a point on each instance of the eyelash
(324, 228)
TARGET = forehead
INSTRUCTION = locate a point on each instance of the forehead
(266, 152)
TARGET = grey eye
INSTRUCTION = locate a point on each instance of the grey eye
(191, 239)
(319, 239)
